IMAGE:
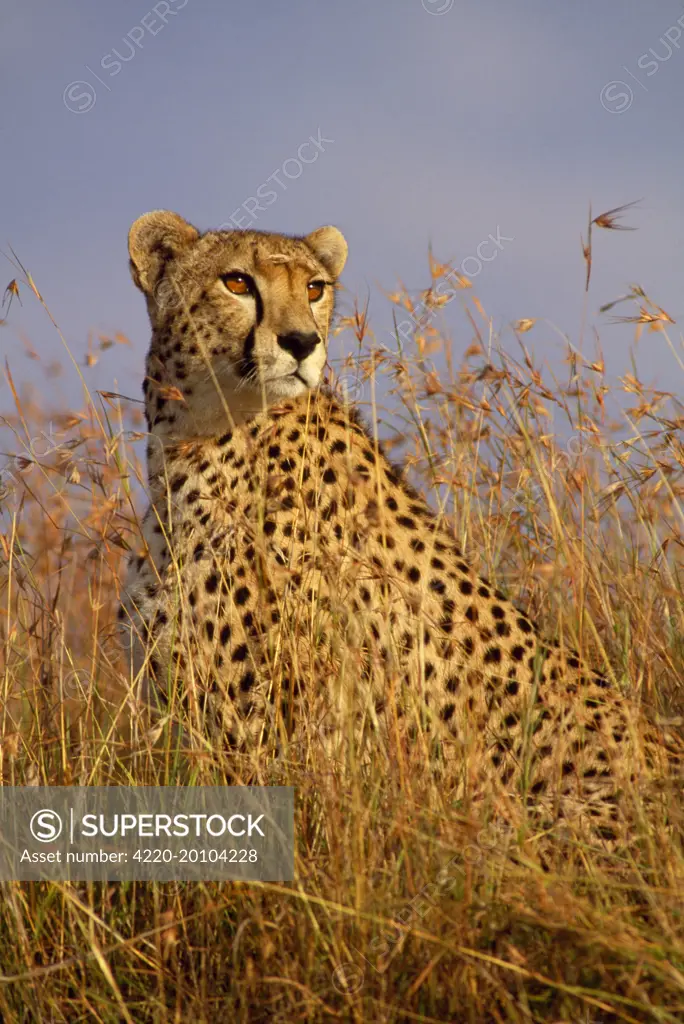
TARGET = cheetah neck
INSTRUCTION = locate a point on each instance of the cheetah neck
(178, 444)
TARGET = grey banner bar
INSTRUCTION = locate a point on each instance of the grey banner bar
(145, 833)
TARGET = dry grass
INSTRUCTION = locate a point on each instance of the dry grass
(402, 909)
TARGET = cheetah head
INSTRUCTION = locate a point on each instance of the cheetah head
(238, 317)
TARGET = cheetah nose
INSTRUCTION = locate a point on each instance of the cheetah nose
(298, 344)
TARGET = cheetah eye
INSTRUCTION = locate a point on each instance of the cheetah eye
(315, 290)
(238, 284)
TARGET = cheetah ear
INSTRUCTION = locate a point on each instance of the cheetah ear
(330, 247)
(153, 239)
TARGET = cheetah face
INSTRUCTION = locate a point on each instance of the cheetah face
(239, 317)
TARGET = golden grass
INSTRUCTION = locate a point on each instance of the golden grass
(403, 909)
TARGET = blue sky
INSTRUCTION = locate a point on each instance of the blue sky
(438, 122)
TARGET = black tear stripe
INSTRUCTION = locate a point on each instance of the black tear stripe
(258, 302)
(246, 365)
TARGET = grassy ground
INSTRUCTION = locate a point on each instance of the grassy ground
(403, 909)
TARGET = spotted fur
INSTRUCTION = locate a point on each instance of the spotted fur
(293, 582)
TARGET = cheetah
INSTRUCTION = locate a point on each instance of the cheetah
(293, 583)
